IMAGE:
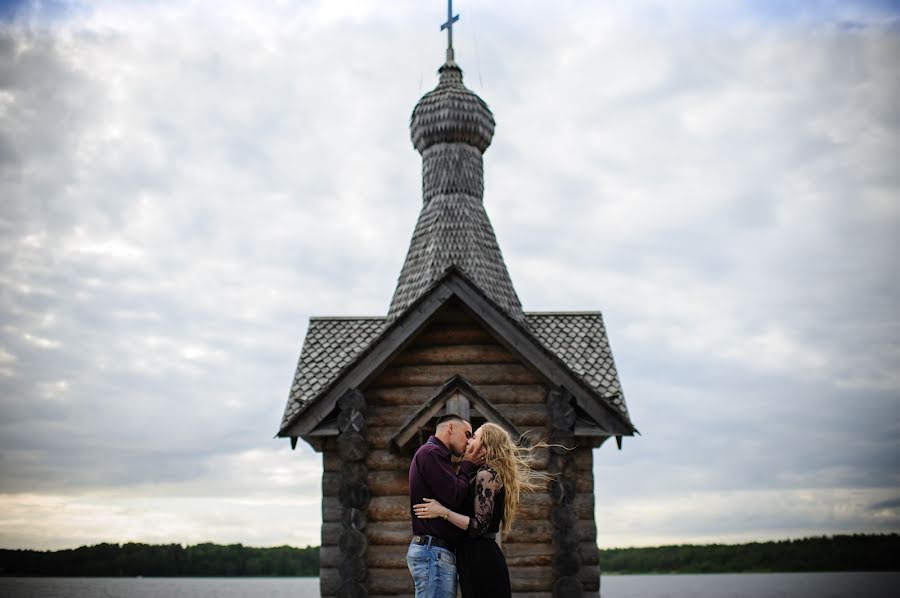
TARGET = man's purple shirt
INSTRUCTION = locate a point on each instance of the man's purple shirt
(432, 475)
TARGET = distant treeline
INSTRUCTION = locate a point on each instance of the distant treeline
(170, 560)
(837, 553)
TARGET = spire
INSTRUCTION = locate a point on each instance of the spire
(451, 127)
(448, 25)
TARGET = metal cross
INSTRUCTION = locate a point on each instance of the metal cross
(449, 27)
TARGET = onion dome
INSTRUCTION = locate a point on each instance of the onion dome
(451, 113)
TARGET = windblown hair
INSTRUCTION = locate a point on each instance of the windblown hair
(513, 464)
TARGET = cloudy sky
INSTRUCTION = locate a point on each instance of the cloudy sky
(183, 184)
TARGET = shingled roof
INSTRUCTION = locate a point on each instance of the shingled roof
(451, 127)
(331, 344)
(454, 247)
(578, 339)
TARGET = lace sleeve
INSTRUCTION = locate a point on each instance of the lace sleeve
(487, 483)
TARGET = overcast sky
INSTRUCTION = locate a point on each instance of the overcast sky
(183, 184)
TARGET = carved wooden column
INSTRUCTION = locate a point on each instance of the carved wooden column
(353, 494)
(566, 558)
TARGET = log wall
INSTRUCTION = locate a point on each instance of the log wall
(455, 344)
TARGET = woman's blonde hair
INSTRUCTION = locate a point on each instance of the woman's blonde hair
(514, 466)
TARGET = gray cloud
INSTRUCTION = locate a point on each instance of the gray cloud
(182, 190)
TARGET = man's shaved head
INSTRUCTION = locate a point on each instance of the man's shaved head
(447, 418)
(454, 431)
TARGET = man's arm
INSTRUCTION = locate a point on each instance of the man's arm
(449, 487)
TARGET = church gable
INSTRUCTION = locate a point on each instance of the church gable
(455, 355)
(507, 352)
(456, 396)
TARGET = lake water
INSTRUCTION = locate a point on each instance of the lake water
(761, 585)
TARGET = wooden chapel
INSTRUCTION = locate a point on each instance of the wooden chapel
(367, 391)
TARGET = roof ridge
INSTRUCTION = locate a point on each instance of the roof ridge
(311, 318)
(564, 313)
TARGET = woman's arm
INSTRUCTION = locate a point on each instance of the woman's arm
(432, 509)
(487, 484)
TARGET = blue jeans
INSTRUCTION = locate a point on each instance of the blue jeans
(433, 570)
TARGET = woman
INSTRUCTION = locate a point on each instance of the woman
(490, 507)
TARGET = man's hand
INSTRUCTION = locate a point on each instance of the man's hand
(476, 458)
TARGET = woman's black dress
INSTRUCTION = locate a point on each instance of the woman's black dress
(480, 563)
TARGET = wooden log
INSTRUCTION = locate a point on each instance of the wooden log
(563, 516)
(353, 543)
(352, 399)
(389, 396)
(520, 394)
(566, 539)
(354, 518)
(590, 577)
(331, 462)
(389, 416)
(392, 396)
(527, 554)
(542, 531)
(354, 495)
(562, 489)
(389, 483)
(453, 311)
(383, 533)
(454, 354)
(583, 458)
(523, 416)
(562, 417)
(353, 569)
(384, 460)
(533, 507)
(530, 579)
(454, 335)
(583, 484)
(390, 581)
(568, 587)
(352, 589)
(388, 556)
(329, 581)
(395, 416)
(331, 483)
(590, 554)
(393, 556)
(562, 442)
(329, 557)
(386, 533)
(331, 509)
(566, 563)
(540, 505)
(435, 375)
(354, 472)
(389, 508)
(351, 419)
(352, 446)
(330, 533)
(380, 438)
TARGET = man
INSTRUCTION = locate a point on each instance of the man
(431, 557)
